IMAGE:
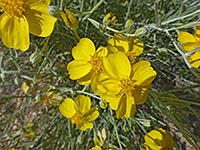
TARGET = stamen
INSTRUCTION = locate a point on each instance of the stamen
(127, 87)
(12, 7)
(77, 118)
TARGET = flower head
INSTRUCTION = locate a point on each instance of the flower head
(79, 111)
(132, 47)
(70, 19)
(21, 17)
(159, 140)
(191, 42)
(87, 63)
(124, 86)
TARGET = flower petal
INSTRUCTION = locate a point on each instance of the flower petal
(85, 79)
(136, 46)
(194, 59)
(130, 107)
(143, 74)
(67, 108)
(120, 42)
(111, 85)
(84, 49)
(188, 40)
(85, 126)
(117, 65)
(197, 32)
(91, 114)
(185, 37)
(82, 103)
(14, 31)
(114, 102)
(140, 94)
(121, 111)
(41, 23)
(78, 69)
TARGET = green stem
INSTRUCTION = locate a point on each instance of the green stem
(61, 4)
(92, 95)
(76, 34)
(93, 9)
(115, 128)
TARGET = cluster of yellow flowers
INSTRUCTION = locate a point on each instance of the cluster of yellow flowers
(114, 72)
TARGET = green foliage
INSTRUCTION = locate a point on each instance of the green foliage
(173, 102)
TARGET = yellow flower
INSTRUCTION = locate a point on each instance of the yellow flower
(191, 42)
(96, 148)
(70, 19)
(109, 18)
(21, 17)
(132, 47)
(124, 86)
(159, 140)
(103, 104)
(79, 111)
(30, 135)
(87, 64)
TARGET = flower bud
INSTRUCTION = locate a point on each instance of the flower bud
(129, 25)
(54, 11)
(140, 32)
(103, 104)
(80, 139)
(70, 19)
(109, 18)
(36, 57)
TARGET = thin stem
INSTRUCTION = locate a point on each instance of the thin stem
(76, 34)
(115, 128)
(61, 4)
(93, 9)
(92, 95)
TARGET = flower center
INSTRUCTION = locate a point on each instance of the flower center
(96, 63)
(77, 118)
(131, 56)
(127, 86)
(12, 7)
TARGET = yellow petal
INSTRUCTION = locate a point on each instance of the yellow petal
(120, 42)
(67, 108)
(140, 94)
(111, 85)
(78, 69)
(136, 46)
(45, 1)
(143, 73)
(153, 140)
(130, 107)
(167, 138)
(117, 65)
(91, 114)
(194, 59)
(14, 32)
(121, 111)
(197, 32)
(114, 102)
(84, 126)
(188, 40)
(84, 49)
(82, 103)
(185, 37)
(85, 79)
(95, 82)
(102, 51)
(41, 23)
